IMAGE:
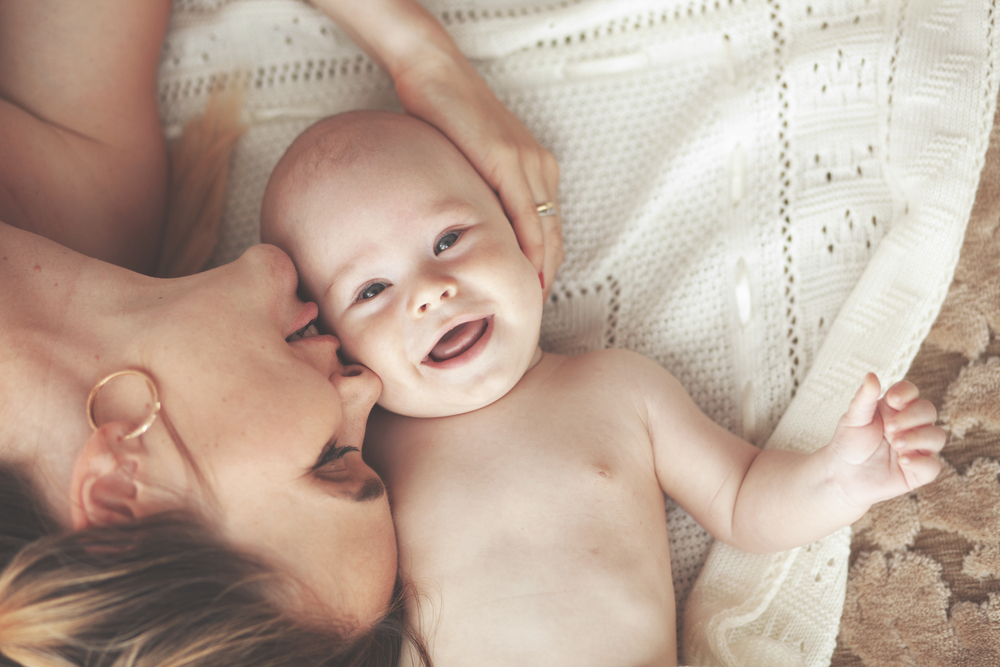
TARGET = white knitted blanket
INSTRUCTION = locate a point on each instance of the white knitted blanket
(766, 198)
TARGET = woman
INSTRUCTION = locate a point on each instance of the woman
(246, 499)
(252, 418)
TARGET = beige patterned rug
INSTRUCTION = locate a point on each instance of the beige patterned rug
(924, 584)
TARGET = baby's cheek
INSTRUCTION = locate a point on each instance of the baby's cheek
(350, 355)
(400, 399)
(326, 319)
(364, 346)
(381, 361)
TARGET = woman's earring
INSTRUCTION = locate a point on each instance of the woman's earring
(154, 405)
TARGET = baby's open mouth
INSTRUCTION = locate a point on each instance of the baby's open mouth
(458, 340)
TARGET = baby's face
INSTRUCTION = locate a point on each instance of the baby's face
(418, 272)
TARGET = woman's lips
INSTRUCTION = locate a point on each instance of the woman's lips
(308, 313)
(461, 344)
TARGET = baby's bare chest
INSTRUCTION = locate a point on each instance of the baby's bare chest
(529, 454)
(535, 516)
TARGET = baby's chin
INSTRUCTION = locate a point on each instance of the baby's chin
(438, 401)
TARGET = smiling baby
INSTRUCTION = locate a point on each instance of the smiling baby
(527, 487)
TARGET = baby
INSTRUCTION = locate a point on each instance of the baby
(527, 487)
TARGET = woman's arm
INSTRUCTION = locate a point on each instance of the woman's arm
(436, 82)
(83, 159)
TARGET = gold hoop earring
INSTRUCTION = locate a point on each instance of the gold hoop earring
(144, 426)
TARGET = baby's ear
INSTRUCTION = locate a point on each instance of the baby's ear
(110, 482)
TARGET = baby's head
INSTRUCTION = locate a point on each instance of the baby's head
(409, 254)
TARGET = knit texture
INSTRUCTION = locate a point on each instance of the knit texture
(924, 582)
(768, 200)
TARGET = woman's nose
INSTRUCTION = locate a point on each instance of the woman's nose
(271, 262)
(358, 387)
(268, 275)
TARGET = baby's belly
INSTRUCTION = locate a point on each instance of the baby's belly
(574, 621)
(576, 572)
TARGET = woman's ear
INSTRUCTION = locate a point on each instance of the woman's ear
(110, 483)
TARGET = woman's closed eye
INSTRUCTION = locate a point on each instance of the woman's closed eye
(332, 458)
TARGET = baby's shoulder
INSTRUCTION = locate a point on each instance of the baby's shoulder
(624, 363)
(628, 374)
(612, 370)
(614, 357)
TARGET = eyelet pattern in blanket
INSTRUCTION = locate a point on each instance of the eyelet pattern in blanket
(766, 198)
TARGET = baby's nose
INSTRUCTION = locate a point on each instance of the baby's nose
(432, 293)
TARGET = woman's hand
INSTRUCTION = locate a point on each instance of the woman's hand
(435, 82)
(449, 94)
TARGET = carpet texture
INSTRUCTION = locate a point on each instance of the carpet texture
(924, 583)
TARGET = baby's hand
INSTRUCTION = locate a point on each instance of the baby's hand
(884, 448)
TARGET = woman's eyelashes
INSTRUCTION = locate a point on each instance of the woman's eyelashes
(332, 456)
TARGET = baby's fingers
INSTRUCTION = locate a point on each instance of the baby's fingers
(918, 469)
(901, 394)
(926, 439)
(917, 413)
(862, 408)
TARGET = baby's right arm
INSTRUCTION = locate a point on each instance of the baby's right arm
(771, 500)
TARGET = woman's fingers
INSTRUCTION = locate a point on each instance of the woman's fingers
(542, 173)
(552, 232)
(552, 224)
(449, 94)
(516, 195)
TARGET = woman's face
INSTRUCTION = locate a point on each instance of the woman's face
(275, 430)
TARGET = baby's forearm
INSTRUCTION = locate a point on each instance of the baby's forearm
(787, 500)
(772, 500)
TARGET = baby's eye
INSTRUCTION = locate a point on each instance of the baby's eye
(445, 242)
(371, 291)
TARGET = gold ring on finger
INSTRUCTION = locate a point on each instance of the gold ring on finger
(546, 208)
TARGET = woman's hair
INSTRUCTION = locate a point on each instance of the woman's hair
(164, 592)
(199, 175)
(160, 592)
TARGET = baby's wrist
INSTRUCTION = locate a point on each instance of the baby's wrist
(841, 480)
